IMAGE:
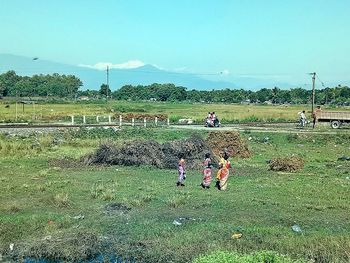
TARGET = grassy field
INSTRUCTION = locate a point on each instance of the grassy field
(53, 209)
(175, 111)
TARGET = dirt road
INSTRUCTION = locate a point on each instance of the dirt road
(274, 128)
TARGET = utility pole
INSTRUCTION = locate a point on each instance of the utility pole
(313, 91)
(16, 106)
(107, 81)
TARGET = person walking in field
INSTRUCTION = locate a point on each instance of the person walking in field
(223, 173)
(206, 172)
(181, 171)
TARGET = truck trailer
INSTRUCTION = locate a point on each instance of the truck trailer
(336, 119)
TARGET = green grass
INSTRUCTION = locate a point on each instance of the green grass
(39, 200)
(50, 112)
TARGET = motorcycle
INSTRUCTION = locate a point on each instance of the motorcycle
(212, 122)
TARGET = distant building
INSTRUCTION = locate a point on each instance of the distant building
(268, 102)
(84, 98)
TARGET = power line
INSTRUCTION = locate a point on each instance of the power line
(322, 83)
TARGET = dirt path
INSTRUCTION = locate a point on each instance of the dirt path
(274, 128)
(254, 127)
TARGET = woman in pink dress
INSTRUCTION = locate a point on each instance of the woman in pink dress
(206, 172)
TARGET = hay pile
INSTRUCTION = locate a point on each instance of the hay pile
(231, 141)
(193, 150)
(152, 153)
(130, 153)
(166, 155)
(287, 164)
(141, 116)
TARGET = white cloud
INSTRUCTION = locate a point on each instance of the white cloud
(126, 65)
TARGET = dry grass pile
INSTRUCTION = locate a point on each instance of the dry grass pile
(193, 150)
(130, 153)
(230, 141)
(140, 116)
(287, 164)
(152, 153)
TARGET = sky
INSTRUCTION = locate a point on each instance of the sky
(282, 40)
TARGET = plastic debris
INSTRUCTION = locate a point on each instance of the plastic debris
(344, 158)
(177, 223)
(79, 217)
(237, 235)
(296, 228)
(180, 220)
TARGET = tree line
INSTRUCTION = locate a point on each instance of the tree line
(67, 86)
(339, 95)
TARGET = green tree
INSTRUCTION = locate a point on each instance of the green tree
(105, 90)
(8, 81)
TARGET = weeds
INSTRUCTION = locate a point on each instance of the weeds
(179, 199)
(141, 200)
(61, 200)
(104, 191)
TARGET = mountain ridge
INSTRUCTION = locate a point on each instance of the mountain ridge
(93, 78)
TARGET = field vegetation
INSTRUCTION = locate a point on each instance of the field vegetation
(228, 113)
(54, 207)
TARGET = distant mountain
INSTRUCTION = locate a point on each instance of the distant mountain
(257, 83)
(144, 75)
(93, 78)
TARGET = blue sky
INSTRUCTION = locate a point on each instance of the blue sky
(277, 39)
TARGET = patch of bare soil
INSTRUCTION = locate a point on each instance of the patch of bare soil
(116, 208)
(65, 162)
(73, 248)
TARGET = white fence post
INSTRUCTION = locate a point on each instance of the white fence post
(109, 119)
(168, 122)
(72, 119)
(144, 122)
(156, 121)
(120, 120)
(132, 122)
(84, 119)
